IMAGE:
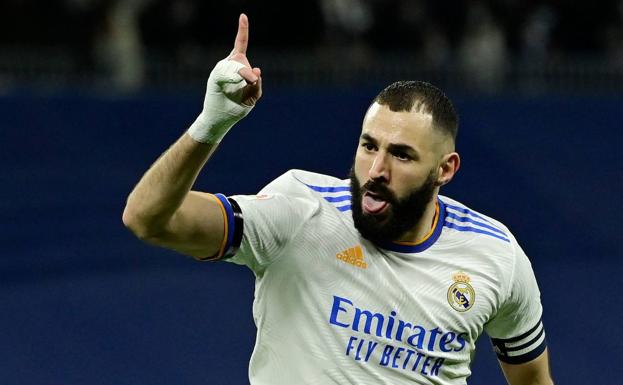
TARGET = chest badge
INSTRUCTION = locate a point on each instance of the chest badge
(461, 295)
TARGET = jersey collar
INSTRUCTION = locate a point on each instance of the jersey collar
(428, 241)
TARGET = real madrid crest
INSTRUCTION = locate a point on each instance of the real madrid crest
(461, 295)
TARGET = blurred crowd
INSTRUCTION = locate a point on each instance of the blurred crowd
(116, 36)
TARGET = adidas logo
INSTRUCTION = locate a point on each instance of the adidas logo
(353, 256)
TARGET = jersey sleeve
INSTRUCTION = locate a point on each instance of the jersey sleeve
(516, 330)
(271, 219)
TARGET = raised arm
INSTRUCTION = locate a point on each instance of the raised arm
(161, 209)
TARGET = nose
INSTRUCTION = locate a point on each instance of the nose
(380, 168)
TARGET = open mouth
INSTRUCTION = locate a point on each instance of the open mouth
(373, 203)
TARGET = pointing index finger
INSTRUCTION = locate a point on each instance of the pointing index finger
(242, 38)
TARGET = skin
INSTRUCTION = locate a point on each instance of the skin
(403, 148)
(535, 372)
(162, 209)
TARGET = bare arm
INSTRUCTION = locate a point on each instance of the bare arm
(161, 209)
(535, 372)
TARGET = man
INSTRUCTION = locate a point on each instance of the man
(372, 280)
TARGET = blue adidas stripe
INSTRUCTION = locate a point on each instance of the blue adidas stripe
(334, 199)
(465, 211)
(340, 198)
(474, 230)
(329, 189)
(470, 220)
(343, 208)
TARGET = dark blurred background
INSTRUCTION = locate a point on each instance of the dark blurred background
(490, 45)
(92, 91)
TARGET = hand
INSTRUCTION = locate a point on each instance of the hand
(232, 90)
(252, 75)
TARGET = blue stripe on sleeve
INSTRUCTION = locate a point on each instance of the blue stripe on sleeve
(466, 211)
(329, 189)
(344, 208)
(335, 200)
(467, 219)
(340, 198)
(474, 230)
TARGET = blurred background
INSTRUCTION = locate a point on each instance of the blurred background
(128, 45)
(92, 91)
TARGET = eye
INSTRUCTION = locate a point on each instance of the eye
(402, 156)
(368, 146)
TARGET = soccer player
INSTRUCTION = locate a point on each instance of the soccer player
(376, 279)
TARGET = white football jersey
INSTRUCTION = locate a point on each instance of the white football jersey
(333, 308)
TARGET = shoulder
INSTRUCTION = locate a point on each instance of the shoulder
(487, 243)
(475, 221)
(476, 230)
(306, 183)
(324, 192)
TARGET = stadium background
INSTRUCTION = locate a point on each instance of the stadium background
(91, 92)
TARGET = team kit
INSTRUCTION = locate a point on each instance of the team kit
(332, 307)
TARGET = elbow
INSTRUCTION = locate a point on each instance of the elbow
(132, 222)
(137, 225)
(129, 219)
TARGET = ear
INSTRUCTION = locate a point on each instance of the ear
(448, 166)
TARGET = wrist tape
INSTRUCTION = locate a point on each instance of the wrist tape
(222, 106)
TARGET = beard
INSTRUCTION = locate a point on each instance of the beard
(402, 215)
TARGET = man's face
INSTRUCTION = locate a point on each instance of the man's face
(395, 173)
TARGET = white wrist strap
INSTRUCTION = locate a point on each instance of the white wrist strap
(222, 106)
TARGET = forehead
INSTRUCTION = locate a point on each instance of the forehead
(413, 128)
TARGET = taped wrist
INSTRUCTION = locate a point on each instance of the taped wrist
(222, 106)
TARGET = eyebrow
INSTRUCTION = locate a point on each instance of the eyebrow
(393, 147)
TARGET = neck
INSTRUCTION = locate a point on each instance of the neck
(424, 226)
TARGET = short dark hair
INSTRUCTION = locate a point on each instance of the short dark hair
(404, 95)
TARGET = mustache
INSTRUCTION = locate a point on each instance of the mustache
(380, 189)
